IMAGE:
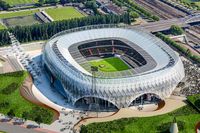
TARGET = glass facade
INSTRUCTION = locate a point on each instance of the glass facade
(76, 85)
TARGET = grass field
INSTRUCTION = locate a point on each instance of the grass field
(195, 100)
(20, 21)
(63, 13)
(186, 117)
(17, 2)
(112, 64)
(10, 97)
(2, 27)
(17, 14)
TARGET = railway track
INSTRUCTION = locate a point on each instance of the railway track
(196, 28)
(152, 9)
(161, 9)
(192, 38)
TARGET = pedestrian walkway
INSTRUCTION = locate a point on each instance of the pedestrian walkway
(171, 104)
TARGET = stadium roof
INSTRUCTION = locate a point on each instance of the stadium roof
(153, 46)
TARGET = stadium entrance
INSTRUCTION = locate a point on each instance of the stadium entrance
(95, 104)
(144, 99)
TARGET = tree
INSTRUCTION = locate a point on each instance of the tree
(63, 1)
(45, 31)
(176, 30)
(25, 115)
(4, 5)
(133, 15)
(38, 119)
(11, 113)
(41, 2)
(83, 129)
(197, 103)
(92, 5)
(156, 18)
(52, 1)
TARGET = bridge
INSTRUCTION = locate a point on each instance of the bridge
(166, 24)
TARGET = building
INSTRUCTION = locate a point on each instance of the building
(154, 69)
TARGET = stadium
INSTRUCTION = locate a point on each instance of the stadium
(111, 67)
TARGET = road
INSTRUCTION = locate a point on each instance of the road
(162, 25)
(15, 129)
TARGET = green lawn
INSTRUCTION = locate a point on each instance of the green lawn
(195, 100)
(63, 13)
(17, 13)
(16, 2)
(186, 117)
(2, 27)
(10, 98)
(111, 64)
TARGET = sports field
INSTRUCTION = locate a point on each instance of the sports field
(17, 14)
(111, 64)
(63, 13)
(21, 21)
(17, 2)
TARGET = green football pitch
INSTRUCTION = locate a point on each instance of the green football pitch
(111, 64)
(63, 13)
(16, 2)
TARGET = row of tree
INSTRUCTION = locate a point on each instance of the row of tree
(179, 48)
(41, 2)
(132, 6)
(91, 4)
(4, 5)
(45, 31)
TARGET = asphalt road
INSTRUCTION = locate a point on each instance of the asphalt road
(15, 129)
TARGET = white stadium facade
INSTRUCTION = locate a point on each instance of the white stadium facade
(155, 69)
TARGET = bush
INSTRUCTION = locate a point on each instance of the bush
(4, 5)
(186, 110)
(42, 115)
(195, 100)
(14, 103)
(197, 103)
(176, 30)
(4, 104)
(9, 89)
(14, 74)
(107, 127)
(164, 127)
(11, 113)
